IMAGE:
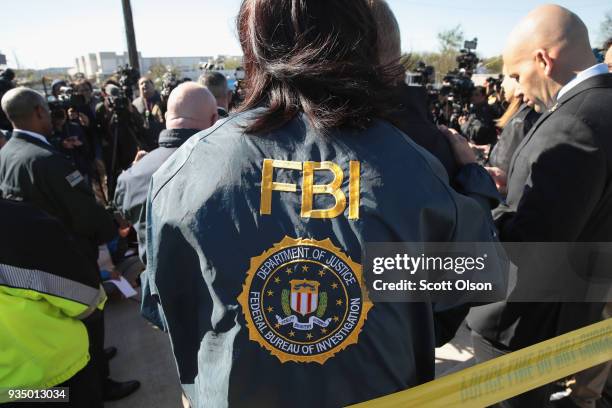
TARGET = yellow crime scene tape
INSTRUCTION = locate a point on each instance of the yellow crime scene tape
(509, 375)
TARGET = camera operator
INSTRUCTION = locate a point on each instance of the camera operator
(149, 106)
(56, 87)
(478, 125)
(121, 131)
(495, 96)
(87, 103)
(69, 139)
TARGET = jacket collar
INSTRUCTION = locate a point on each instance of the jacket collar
(598, 81)
(175, 137)
(17, 134)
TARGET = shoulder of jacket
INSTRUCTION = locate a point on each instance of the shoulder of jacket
(224, 134)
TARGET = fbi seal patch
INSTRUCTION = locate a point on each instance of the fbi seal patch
(303, 300)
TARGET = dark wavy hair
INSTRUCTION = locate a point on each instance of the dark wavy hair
(316, 57)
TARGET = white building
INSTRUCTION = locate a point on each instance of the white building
(100, 65)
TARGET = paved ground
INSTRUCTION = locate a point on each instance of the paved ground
(145, 354)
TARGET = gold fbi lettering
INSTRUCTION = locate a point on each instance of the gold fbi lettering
(309, 189)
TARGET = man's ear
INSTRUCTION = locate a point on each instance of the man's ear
(544, 60)
(39, 111)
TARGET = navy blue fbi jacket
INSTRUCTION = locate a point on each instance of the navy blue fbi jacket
(254, 245)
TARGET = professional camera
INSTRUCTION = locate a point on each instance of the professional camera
(169, 82)
(495, 83)
(127, 77)
(426, 74)
(66, 99)
(117, 99)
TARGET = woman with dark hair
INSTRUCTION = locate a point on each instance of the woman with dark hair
(256, 226)
(515, 123)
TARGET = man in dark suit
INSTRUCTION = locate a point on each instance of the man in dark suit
(559, 181)
(33, 171)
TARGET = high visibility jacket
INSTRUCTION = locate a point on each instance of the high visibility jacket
(46, 287)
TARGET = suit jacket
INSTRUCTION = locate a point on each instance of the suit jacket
(559, 190)
(512, 135)
(411, 118)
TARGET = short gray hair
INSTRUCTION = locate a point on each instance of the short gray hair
(19, 103)
(215, 82)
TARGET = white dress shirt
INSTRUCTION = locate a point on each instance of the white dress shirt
(33, 134)
(597, 69)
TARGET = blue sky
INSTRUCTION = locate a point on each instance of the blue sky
(45, 33)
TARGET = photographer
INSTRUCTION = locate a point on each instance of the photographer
(87, 102)
(121, 132)
(149, 106)
(69, 139)
(478, 125)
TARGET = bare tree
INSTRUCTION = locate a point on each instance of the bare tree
(605, 29)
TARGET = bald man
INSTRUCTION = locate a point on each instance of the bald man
(559, 180)
(191, 108)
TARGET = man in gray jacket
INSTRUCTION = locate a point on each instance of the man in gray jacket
(191, 108)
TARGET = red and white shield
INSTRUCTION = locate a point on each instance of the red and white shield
(304, 296)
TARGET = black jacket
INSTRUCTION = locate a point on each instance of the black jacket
(480, 128)
(559, 190)
(35, 172)
(512, 135)
(27, 230)
(411, 118)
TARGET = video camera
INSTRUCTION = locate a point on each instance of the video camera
(127, 77)
(169, 82)
(120, 97)
(457, 87)
(495, 83)
(66, 99)
(426, 74)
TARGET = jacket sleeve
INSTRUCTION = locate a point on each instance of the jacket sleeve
(564, 187)
(474, 197)
(67, 189)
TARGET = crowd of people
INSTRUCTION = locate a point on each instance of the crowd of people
(195, 195)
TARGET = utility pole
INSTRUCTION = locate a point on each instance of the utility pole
(129, 34)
